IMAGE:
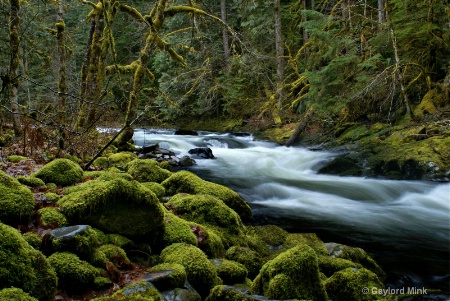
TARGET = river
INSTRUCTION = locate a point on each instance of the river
(404, 224)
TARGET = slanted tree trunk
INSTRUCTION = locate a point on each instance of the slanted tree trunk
(226, 46)
(279, 50)
(299, 128)
(13, 76)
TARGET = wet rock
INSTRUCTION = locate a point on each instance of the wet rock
(202, 153)
(188, 293)
(186, 161)
(186, 132)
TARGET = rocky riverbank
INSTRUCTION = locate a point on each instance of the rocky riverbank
(135, 230)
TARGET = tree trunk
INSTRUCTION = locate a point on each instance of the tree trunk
(381, 16)
(62, 89)
(14, 44)
(279, 49)
(226, 46)
(299, 128)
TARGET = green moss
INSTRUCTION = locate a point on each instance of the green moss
(348, 285)
(187, 182)
(294, 274)
(62, 172)
(102, 283)
(201, 273)
(141, 291)
(210, 211)
(32, 239)
(166, 165)
(52, 186)
(247, 257)
(228, 293)
(51, 197)
(157, 188)
(175, 279)
(74, 274)
(106, 175)
(102, 238)
(356, 255)
(177, 230)
(329, 265)
(309, 239)
(116, 206)
(15, 294)
(121, 159)
(428, 106)
(16, 158)
(270, 234)
(147, 170)
(229, 271)
(23, 267)
(113, 252)
(30, 181)
(73, 158)
(16, 201)
(102, 162)
(211, 243)
(120, 241)
(51, 215)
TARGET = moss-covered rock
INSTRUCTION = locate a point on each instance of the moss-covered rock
(101, 162)
(116, 206)
(230, 293)
(294, 274)
(434, 99)
(201, 273)
(356, 255)
(329, 265)
(115, 254)
(52, 215)
(147, 170)
(120, 160)
(210, 211)
(16, 201)
(16, 158)
(350, 283)
(229, 271)
(120, 241)
(51, 197)
(30, 181)
(32, 239)
(187, 182)
(23, 267)
(141, 291)
(62, 172)
(177, 230)
(15, 294)
(157, 189)
(247, 257)
(174, 276)
(74, 274)
(270, 234)
(310, 239)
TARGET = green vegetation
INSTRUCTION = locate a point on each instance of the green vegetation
(62, 172)
(30, 181)
(16, 294)
(16, 201)
(16, 159)
(52, 215)
(176, 278)
(230, 272)
(23, 267)
(147, 170)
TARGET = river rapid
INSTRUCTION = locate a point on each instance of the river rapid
(405, 225)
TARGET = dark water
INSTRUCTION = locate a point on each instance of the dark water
(404, 224)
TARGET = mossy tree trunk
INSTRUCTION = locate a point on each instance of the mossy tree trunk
(279, 49)
(62, 86)
(13, 77)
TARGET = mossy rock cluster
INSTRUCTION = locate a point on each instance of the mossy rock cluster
(147, 170)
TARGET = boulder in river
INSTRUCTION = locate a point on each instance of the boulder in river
(202, 152)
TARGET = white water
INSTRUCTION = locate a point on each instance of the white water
(282, 184)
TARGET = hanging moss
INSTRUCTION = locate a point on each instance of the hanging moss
(16, 201)
(23, 267)
(187, 182)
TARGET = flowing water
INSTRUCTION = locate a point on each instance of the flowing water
(404, 224)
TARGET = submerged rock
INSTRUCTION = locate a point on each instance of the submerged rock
(202, 152)
(23, 267)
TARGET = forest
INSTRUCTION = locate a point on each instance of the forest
(68, 67)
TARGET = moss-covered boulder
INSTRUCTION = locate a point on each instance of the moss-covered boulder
(310, 239)
(120, 160)
(230, 293)
(229, 271)
(74, 275)
(201, 273)
(32, 239)
(101, 162)
(210, 211)
(356, 255)
(23, 267)
(16, 158)
(294, 274)
(350, 284)
(116, 255)
(270, 234)
(187, 182)
(30, 181)
(157, 188)
(120, 241)
(16, 201)
(247, 257)
(62, 172)
(15, 294)
(140, 291)
(167, 276)
(147, 170)
(106, 175)
(330, 265)
(51, 216)
(116, 206)
(177, 230)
